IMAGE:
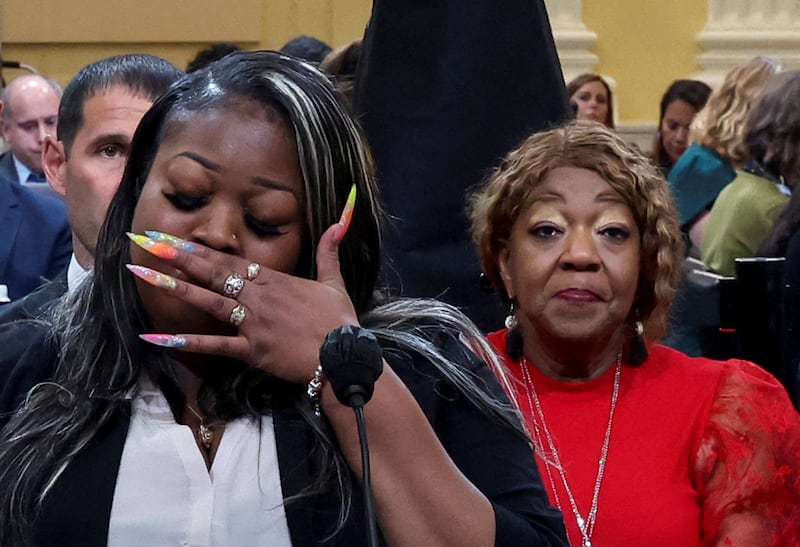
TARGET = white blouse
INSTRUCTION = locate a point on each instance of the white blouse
(165, 495)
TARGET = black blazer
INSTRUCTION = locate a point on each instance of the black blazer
(36, 303)
(497, 461)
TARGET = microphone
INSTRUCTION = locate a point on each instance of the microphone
(351, 360)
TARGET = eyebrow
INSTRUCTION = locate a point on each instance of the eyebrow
(211, 166)
(603, 197)
(205, 162)
(111, 138)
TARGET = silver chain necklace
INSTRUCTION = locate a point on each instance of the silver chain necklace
(586, 526)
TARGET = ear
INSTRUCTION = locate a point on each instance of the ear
(54, 164)
(504, 266)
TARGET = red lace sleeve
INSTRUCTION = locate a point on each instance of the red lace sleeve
(747, 470)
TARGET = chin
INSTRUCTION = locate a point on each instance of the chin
(582, 331)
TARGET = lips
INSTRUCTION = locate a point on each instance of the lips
(578, 296)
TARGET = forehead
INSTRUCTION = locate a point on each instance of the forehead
(245, 140)
(679, 110)
(114, 104)
(235, 116)
(594, 87)
(32, 94)
(575, 186)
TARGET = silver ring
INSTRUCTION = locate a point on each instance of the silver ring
(233, 285)
(238, 315)
(252, 270)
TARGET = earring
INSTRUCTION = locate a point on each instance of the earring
(511, 318)
(514, 340)
(638, 350)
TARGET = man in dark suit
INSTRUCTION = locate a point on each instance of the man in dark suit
(445, 88)
(35, 242)
(29, 107)
(100, 110)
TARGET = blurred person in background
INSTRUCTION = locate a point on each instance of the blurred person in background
(679, 105)
(592, 99)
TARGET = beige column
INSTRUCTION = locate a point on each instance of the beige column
(738, 30)
(573, 39)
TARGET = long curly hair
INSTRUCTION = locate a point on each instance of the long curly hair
(591, 146)
(720, 125)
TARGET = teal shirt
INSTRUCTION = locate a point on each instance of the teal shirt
(696, 179)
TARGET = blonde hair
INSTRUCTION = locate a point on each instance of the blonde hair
(720, 125)
(592, 146)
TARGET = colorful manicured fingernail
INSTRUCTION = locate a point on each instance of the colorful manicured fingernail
(157, 248)
(164, 340)
(347, 214)
(171, 240)
(153, 277)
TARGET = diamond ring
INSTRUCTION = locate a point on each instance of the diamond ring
(233, 285)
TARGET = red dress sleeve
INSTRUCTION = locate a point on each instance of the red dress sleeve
(747, 467)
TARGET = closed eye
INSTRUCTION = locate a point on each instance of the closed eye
(262, 229)
(185, 202)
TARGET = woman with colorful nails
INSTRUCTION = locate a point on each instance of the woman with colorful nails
(178, 398)
(639, 444)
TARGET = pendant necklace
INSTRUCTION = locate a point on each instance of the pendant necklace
(204, 432)
(552, 459)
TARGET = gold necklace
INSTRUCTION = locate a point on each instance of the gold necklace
(586, 526)
(204, 432)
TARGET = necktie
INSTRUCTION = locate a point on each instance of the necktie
(35, 177)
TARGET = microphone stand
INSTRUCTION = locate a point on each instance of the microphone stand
(351, 359)
(366, 480)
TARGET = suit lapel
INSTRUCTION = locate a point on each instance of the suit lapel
(78, 509)
(8, 169)
(10, 218)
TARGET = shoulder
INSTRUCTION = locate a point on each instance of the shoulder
(28, 357)
(420, 358)
(699, 161)
(46, 206)
(37, 208)
(719, 379)
(7, 168)
(699, 376)
(34, 304)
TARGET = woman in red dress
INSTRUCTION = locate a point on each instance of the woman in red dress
(638, 444)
